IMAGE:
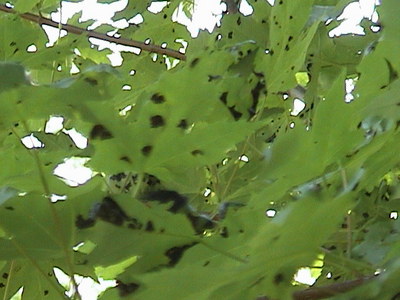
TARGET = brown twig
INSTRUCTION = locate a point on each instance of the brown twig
(91, 33)
(330, 290)
(323, 292)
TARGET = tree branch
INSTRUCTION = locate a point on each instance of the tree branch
(323, 292)
(91, 33)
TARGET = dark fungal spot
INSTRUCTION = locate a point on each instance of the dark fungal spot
(157, 121)
(118, 176)
(146, 150)
(213, 77)
(278, 278)
(2, 285)
(45, 292)
(239, 21)
(109, 211)
(91, 81)
(165, 16)
(206, 263)
(134, 224)
(223, 97)
(224, 232)
(125, 158)
(82, 223)
(165, 196)
(175, 253)
(290, 17)
(149, 226)
(100, 132)
(365, 215)
(194, 62)
(290, 38)
(236, 114)
(197, 152)
(126, 289)
(183, 124)
(287, 48)
(230, 35)
(281, 2)
(9, 208)
(5, 275)
(157, 98)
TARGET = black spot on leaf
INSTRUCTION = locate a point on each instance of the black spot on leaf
(2, 285)
(126, 289)
(290, 38)
(118, 177)
(281, 2)
(125, 158)
(201, 222)
(157, 98)
(157, 121)
(271, 138)
(83, 223)
(278, 278)
(290, 17)
(149, 226)
(146, 150)
(223, 97)
(224, 232)
(239, 21)
(100, 132)
(175, 253)
(183, 124)
(197, 152)
(110, 211)
(134, 224)
(236, 114)
(230, 35)
(165, 196)
(194, 62)
(213, 77)
(9, 208)
(45, 292)
(5, 275)
(206, 263)
(91, 81)
(287, 48)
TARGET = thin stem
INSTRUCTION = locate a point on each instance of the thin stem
(93, 34)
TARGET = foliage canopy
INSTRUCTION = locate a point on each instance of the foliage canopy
(201, 151)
